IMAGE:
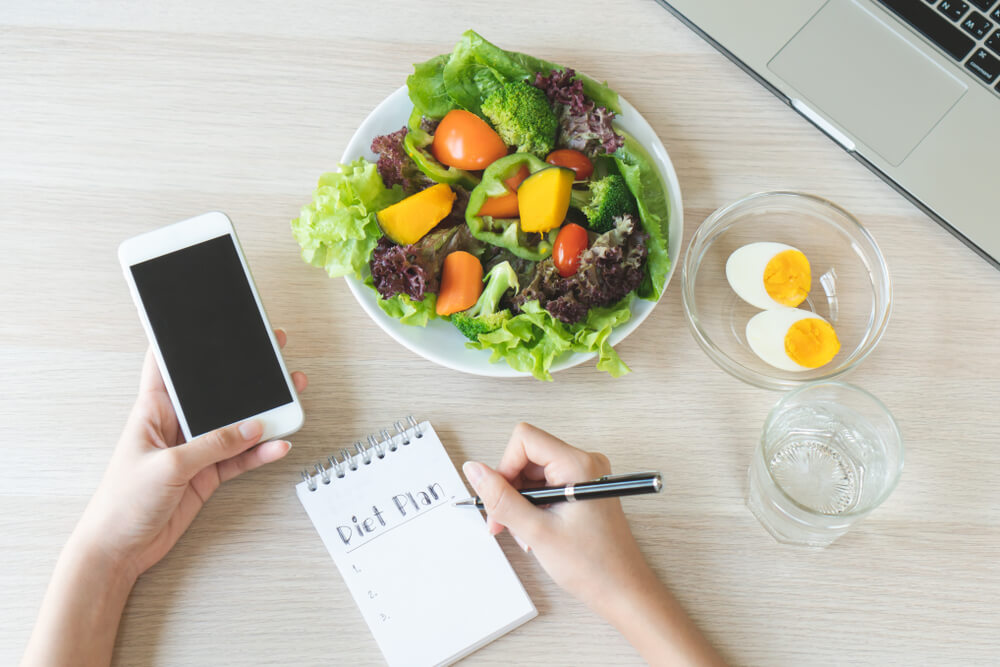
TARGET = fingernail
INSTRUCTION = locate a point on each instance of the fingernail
(251, 430)
(282, 330)
(520, 543)
(473, 472)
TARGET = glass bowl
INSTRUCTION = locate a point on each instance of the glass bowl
(850, 283)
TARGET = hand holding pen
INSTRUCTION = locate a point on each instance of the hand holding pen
(533, 458)
(586, 547)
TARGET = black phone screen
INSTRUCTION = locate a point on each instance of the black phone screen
(211, 335)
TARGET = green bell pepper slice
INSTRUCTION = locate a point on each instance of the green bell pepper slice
(506, 233)
(416, 144)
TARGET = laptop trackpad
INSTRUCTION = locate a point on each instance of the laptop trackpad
(853, 68)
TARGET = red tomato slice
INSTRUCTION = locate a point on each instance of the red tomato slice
(571, 159)
(570, 243)
(505, 206)
(465, 141)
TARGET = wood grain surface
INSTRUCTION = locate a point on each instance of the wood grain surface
(118, 117)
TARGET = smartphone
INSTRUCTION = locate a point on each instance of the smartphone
(211, 338)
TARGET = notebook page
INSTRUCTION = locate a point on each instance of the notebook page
(430, 581)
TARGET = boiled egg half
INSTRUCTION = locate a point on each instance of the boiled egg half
(792, 339)
(769, 275)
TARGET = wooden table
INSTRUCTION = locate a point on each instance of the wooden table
(116, 118)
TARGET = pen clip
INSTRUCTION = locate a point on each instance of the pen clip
(647, 474)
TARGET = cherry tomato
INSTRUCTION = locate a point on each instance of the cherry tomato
(505, 206)
(571, 159)
(570, 243)
(466, 141)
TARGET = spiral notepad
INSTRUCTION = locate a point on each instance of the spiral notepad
(430, 581)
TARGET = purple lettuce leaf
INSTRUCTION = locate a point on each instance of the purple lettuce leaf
(583, 125)
(394, 165)
(415, 270)
(609, 269)
(429, 125)
(397, 270)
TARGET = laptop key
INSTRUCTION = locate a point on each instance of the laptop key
(976, 25)
(993, 43)
(996, 14)
(983, 65)
(984, 5)
(953, 9)
(933, 26)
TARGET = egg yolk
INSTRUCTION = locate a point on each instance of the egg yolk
(787, 277)
(811, 342)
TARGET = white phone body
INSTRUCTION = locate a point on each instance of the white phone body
(215, 347)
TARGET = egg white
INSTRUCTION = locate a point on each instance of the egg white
(766, 333)
(745, 272)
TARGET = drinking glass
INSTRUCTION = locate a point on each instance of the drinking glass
(829, 454)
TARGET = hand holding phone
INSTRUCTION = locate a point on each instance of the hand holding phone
(152, 490)
(213, 344)
(213, 369)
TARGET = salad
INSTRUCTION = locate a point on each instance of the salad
(509, 204)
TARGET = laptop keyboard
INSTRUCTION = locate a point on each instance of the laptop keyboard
(969, 31)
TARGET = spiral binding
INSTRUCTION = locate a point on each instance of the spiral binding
(376, 446)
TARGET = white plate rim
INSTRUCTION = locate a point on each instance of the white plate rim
(391, 114)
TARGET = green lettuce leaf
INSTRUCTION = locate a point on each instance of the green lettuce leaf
(406, 310)
(337, 230)
(531, 341)
(426, 87)
(591, 335)
(643, 180)
(476, 67)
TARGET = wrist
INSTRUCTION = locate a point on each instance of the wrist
(625, 580)
(85, 551)
(635, 590)
(651, 619)
(79, 616)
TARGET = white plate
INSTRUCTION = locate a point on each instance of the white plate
(441, 342)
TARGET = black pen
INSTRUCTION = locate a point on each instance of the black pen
(609, 486)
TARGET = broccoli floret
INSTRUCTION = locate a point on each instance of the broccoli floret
(471, 327)
(483, 317)
(501, 278)
(521, 115)
(604, 200)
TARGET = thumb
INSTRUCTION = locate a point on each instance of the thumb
(219, 445)
(504, 504)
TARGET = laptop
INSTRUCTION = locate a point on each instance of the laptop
(911, 88)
